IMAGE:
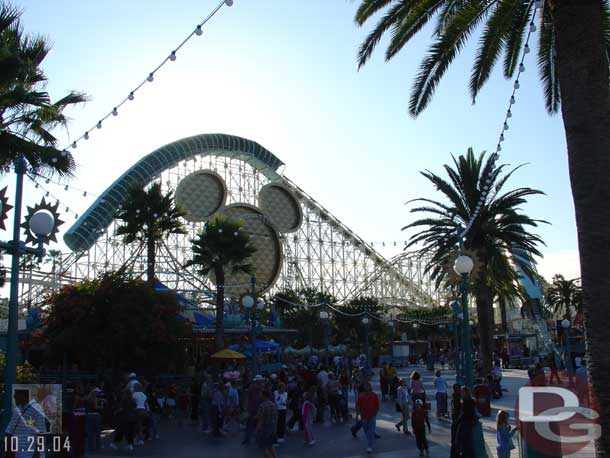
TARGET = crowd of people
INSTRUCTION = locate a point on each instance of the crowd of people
(290, 400)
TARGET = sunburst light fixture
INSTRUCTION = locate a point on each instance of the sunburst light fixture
(42, 206)
(4, 208)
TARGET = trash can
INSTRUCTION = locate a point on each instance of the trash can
(482, 397)
(94, 426)
(75, 425)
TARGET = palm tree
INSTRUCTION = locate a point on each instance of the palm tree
(149, 216)
(222, 246)
(564, 295)
(499, 231)
(27, 115)
(573, 50)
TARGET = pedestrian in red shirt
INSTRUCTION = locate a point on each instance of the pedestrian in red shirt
(419, 420)
(367, 407)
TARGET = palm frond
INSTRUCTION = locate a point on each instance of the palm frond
(546, 68)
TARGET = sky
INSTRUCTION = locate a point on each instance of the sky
(284, 74)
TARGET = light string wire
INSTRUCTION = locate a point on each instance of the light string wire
(149, 79)
(66, 187)
(496, 155)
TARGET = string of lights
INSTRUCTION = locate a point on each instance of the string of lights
(48, 193)
(516, 85)
(171, 57)
(66, 187)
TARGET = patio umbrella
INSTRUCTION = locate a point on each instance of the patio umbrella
(227, 354)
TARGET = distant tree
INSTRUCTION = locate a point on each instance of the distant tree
(563, 295)
(149, 216)
(220, 248)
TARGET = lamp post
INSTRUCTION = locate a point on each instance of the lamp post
(365, 325)
(457, 352)
(463, 266)
(252, 305)
(325, 317)
(41, 224)
(565, 324)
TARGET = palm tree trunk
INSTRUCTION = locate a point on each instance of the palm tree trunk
(582, 71)
(502, 305)
(150, 260)
(484, 299)
(220, 308)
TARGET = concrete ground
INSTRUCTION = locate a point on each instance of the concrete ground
(335, 440)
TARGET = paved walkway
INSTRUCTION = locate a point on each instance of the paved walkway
(335, 440)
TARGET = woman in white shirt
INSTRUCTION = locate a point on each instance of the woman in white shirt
(280, 397)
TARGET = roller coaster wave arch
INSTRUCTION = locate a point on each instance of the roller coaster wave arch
(323, 253)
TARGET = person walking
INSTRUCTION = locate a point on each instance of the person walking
(456, 412)
(253, 401)
(384, 381)
(266, 424)
(125, 420)
(231, 406)
(368, 407)
(308, 412)
(419, 421)
(554, 369)
(403, 402)
(582, 384)
(440, 384)
(466, 423)
(280, 397)
(417, 387)
(504, 435)
(295, 400)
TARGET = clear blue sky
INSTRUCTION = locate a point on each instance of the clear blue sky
(283, 73)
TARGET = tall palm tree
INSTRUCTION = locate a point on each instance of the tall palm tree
(496, 234)
(573, 52)
(27, 115)
(222, 246)
(564, 295)
(149, 216)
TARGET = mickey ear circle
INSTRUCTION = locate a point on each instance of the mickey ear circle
(201, 194)
(281, 207)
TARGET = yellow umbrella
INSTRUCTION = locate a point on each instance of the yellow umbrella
(228, 354)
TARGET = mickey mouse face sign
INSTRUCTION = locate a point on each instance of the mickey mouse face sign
(203, 194)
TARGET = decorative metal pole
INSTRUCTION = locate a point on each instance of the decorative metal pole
(10, 370)
(467, 344)
(365, 323)
(565, 324)
(325, 317)
(457, 357)
(41, 223)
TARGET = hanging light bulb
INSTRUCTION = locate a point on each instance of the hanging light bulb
(517, 84)
(115, 111)
(512, 99)
(229, 2)
(47, 194)
(502, 137)
(47, 181)
(76, 216)
(86, 136)
(172, 56)
(532, 27)
(36, 186)
(509, 114)
(130, 96)
(198, 31)
(521, 67)
(99, 124)
(67, 209)
(150, 78)
(74, 145)
(505, 126)
(499, 148)
(85, 194)
(64, 153)
(526, 50)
